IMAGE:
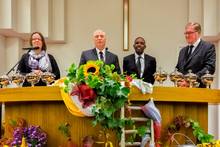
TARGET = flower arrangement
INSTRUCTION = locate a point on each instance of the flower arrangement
(34, 135)
(97, 86)
(23, 135)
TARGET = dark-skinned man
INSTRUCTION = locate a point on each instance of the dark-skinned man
(139, 63)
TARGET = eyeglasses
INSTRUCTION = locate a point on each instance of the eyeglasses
(99, 36)
(36, 39)
(189, 33)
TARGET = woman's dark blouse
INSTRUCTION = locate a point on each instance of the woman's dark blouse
(23, 68)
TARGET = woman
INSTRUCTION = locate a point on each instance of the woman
(38, 61)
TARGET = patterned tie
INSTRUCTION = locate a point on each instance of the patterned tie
(139, 65)
(101, 56)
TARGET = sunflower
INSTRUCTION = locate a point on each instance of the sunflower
(91, 67)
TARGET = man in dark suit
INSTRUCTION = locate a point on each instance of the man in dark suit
(198, 56)
(139, 63)
(100, 52)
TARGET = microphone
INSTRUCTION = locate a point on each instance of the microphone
(31, 48)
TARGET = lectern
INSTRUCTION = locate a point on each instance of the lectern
(44, 106)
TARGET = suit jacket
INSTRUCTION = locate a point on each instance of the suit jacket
(202, 59)
(130, 67)
(110, 58)
(23, 68)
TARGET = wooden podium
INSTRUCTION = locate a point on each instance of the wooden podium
(44, 106)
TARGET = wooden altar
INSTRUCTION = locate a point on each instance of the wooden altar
(44, 106)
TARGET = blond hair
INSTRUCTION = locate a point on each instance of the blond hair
(195, 25)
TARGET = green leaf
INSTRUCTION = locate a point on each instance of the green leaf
(12, 122)
(111, 95)
(109, 111)
(64, 129)
(142, 131)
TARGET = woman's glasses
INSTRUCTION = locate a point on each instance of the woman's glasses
(36, 39)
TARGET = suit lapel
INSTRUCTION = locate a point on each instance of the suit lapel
(107, 57)
(95, 54)
(145, 64)
(193, 54)
(133, 61)
(197, 49)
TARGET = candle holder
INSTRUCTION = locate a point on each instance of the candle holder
(18, 79)
(32, 78)
(4, 81)
(191, 78)
(175, 77)
(48, 77)
(160, 76)
(207, 79)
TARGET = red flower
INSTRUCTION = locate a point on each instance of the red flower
(128, 78)
(86, 94)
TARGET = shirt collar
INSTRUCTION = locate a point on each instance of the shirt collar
(103, 51)
(196, 43)
(136, 55)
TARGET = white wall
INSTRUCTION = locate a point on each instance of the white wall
(162, 25)
(82, 18)
(163, 35)
(2, 55)
(12, 51)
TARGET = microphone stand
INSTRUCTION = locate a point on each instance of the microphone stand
(13, 68)
(2, 105)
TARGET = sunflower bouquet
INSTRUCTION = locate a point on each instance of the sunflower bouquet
(95, 85)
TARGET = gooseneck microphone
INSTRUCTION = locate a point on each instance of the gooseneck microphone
(31, 48)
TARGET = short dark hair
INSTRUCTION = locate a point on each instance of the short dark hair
(44, 46)
(139, 38)
(196, 26)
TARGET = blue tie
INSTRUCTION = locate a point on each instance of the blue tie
(101, 56)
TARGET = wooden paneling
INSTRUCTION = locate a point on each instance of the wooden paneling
(44, 106)
(170, 110)
(49, 115)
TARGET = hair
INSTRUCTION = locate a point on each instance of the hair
(195, 25)
(98, 30)
(44, 46)
(139, 38)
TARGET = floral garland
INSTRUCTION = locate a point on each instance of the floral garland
(97, 86)
(198, 132)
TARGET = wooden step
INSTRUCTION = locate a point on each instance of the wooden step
(134, 131)
(134, 107)
(132, 143)
(139, 119)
